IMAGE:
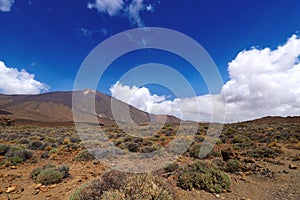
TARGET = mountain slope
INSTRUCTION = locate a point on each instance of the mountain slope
(57, 107)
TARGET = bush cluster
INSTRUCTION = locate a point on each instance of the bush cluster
(14, 154)
(50, 174)
(115, 185)
(204, 176)
(84, 155)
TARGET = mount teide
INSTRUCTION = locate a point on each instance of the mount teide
(57, 107)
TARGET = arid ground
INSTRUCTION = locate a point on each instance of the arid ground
(254, 160)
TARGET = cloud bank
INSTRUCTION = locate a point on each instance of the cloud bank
(13, 81)
(263, 82)
(5, 5)
(131, 9)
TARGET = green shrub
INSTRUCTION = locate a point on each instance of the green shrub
(14, 160)
(233, 166)
(241, 139)
(204, 176)
(24, 154)
(38, 170)
(36, 145)
(64, 170)
(171, 167)
(201, 150)
(218, 162)
(262, 153)
(84, 155)
(14, 155)
(4, 149)
(53, 150)
(112, 180)
(141, 186)
(49, 176)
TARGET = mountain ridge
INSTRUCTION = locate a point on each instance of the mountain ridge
(57, 107)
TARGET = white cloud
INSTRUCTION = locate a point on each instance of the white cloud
(130, 9)
(140, 97)
(111, 7)
(134, 10)
(13, 81)
(5, 5)
(185, 108)
(262, 82)
(84, 32)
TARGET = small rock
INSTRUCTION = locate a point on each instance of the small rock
(96, 162)
(13, 167)
(291, 166)
(217, 195)
(38, 186)
(35, 192)
(10, 189)
(52, 186)
(20, 190)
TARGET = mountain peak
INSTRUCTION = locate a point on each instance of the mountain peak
(88, 91)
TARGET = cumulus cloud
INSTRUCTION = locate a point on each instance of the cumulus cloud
(111, 7)
(263, 82)
(140, 97)
(185, 108)
(130, 9)
(13, 81)
(5, 5)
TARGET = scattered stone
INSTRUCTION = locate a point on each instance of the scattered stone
(10, 189)
(217, 195)
(38, 186)
(52, 186)
(13, 167)
(20, 190)
(96, 162)
(291, 166)
(35, 192)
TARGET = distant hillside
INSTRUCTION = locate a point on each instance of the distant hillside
(277, 119)
(57, 107)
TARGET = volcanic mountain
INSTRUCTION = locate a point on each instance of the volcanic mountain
(88, 104)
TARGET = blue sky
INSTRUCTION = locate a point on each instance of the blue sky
(50, 38)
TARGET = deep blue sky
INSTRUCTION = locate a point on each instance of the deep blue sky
(51, 38)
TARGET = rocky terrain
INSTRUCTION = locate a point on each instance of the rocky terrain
(258, 159)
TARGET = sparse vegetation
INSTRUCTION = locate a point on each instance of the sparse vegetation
(50, 174)
(243, 150)
(204, 176)
(233, 165)
(116, 185)
(141, 186)
(84, 155)
(14, 154)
